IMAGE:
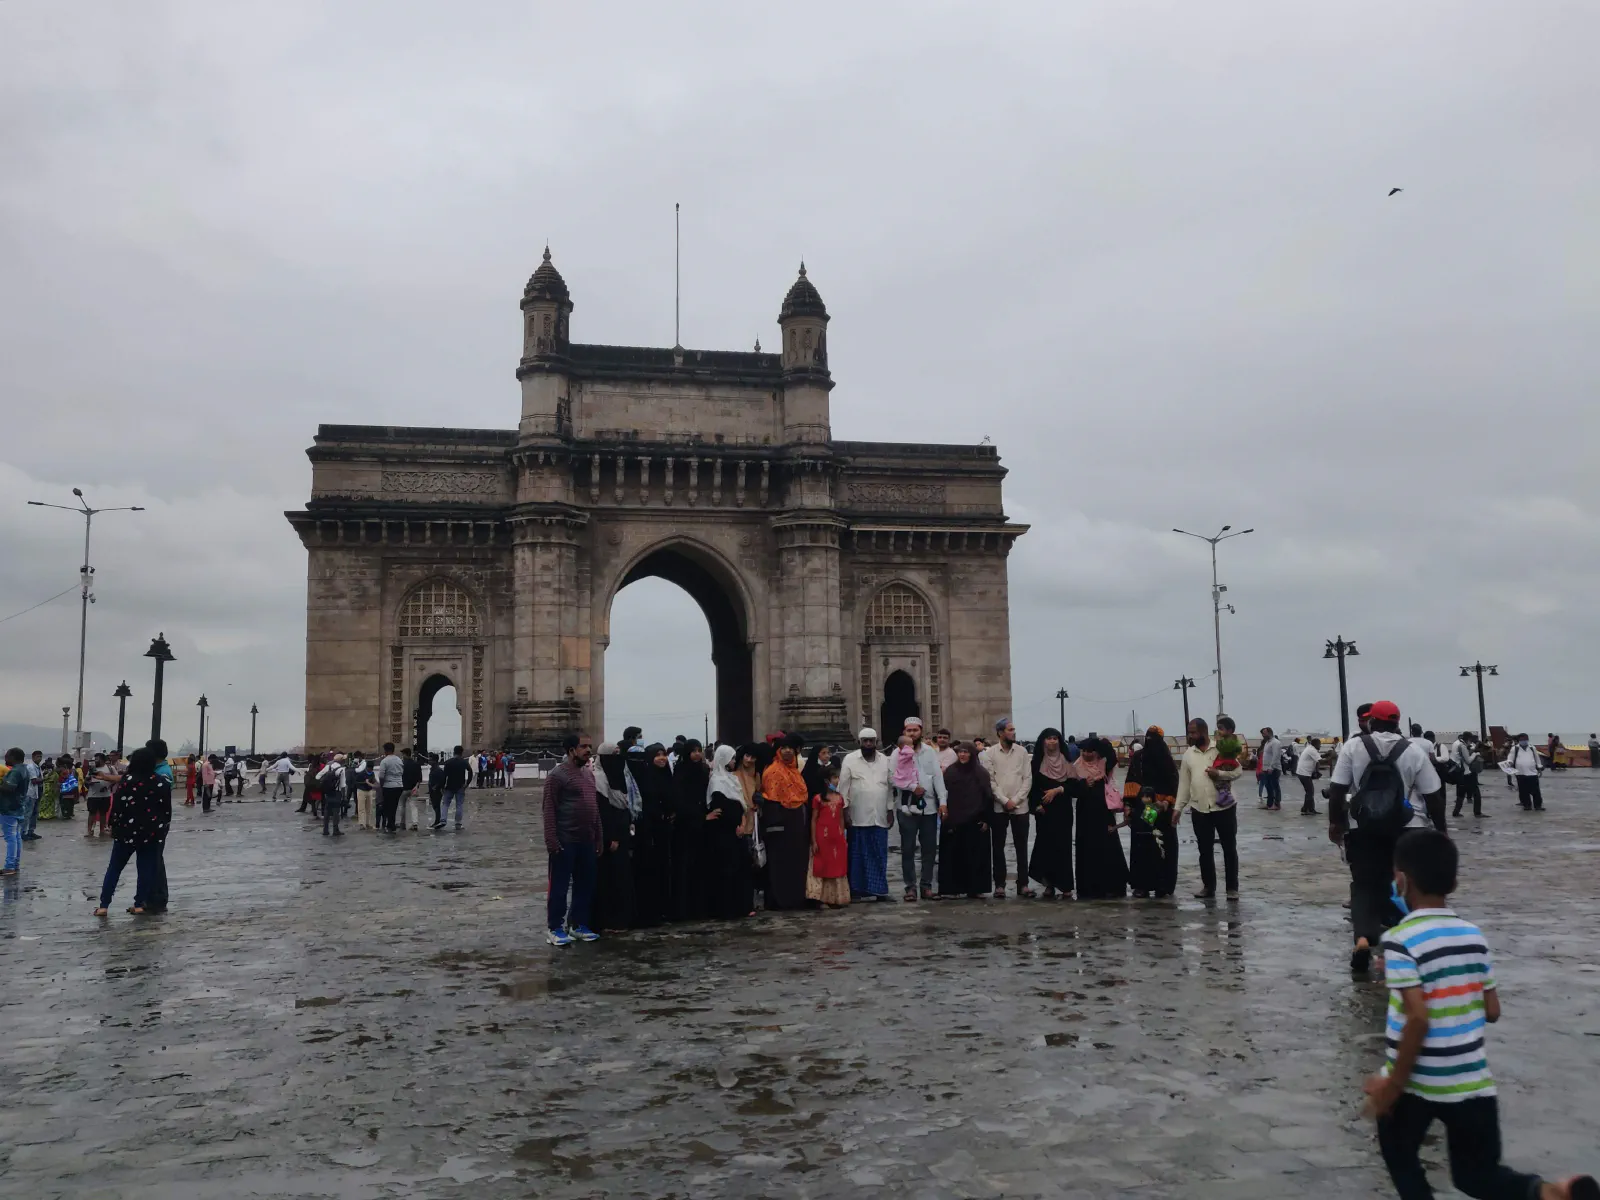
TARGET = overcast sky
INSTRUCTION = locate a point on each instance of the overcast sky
(1146, 247)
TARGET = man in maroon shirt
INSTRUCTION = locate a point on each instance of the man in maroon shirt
(572, 837)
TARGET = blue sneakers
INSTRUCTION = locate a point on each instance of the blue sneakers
(558, 937)
(584, 934)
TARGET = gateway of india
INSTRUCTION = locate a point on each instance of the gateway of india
(845, 583)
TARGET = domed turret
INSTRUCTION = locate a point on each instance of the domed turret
(546, 307)
(806, 382)
(803, 300)
(804, 321)
(546, 304)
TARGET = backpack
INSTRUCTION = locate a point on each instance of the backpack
(1380, 802)
(69, 784)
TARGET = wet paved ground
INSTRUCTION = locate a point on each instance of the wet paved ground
(370, 1017)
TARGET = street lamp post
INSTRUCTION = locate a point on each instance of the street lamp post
(85, 577)
(1480, 671)
(1062, 698)
(203, 704)
(122, 693)
(162, 653)
(253, 712)
(1183, 684)
(1341, 649)
(66, 716)
(1217, 590)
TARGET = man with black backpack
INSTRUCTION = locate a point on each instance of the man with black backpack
(1378, 772)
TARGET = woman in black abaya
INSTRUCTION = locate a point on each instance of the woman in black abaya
(689, 780)
(652, 843)
(1051, 800)
(613, 890)
(785, 828)
(1152, 787)
(730, 893)
(1102, 869)
(965, 866)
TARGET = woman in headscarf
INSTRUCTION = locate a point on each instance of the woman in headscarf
(815, 770)
(785, 827)
(729, 892)
(652, 842)
(689, 779)
(613, 905)
(1102, 869)
(1148, 796)
(140, 821)
(1051, 801)
(965, 866)
(748, 774)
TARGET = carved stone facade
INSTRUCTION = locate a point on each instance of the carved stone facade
(845, 583)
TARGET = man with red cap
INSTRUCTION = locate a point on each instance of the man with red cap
(1378, 772)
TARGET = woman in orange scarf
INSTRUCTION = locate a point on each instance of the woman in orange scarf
(785, 828)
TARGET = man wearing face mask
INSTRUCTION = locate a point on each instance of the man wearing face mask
(1523, 765)
(1378, 772)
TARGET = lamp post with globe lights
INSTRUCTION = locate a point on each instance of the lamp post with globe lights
(1480, 671)
(1341, 649)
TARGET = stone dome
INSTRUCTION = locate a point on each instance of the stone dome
(546, 282)
(803, 300)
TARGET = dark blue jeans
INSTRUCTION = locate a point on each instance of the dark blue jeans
(914, 829)
(150, 892)
(1273, 783)
(572, 866)
(1472, 1136)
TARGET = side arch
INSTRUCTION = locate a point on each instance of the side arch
(900, 627)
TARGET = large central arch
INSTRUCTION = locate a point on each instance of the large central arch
(715, 587)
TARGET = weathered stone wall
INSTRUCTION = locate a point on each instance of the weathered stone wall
(665, 413)
(344, 647)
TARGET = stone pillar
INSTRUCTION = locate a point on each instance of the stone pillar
(550, 647)
(345, 655)
(811, 699)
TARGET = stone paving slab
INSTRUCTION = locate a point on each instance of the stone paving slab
(379, 1017)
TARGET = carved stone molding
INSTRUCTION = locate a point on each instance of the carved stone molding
(442, 483)
(897, 495)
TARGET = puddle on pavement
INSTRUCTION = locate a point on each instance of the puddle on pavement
(766, 1103)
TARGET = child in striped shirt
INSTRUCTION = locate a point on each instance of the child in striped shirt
(1442, 997)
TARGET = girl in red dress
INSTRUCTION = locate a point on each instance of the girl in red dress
(828, 880)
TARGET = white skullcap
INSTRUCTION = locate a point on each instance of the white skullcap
(867, 732)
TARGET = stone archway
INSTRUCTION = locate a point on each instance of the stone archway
(431, 687)
(899, 702)
(713, 585)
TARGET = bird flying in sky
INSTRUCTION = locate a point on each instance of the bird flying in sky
(1392, 191)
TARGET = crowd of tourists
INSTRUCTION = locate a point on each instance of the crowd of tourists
(639, 834)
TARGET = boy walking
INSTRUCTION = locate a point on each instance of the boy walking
(1442, 997)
